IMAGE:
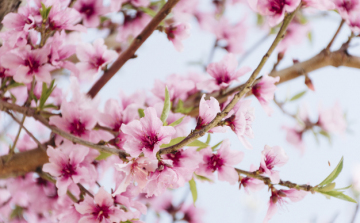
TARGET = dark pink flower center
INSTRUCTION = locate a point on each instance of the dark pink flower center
(347, 5)
(149, 141)
(88, 10)
(244, 181)
(170, 31)
(32, 64)
(277, 6)
(98, 62)
(101, 212)
(256, 90)
(269, 161)
(68, 171)
(175, 157)
(215, 162)
(131, 16)
(224, 78)
(77, 128)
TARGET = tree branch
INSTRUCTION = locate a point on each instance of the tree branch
(130, 52)
(243, 91)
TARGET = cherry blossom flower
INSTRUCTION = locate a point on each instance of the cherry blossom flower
(274, 9)
(294, 137)
(75, 120)
(354, 22)
(278, 197)
(295, 35)
(147, 134)
(264, 91)
(27, 63)
(177, 33)
(332, 120)
(192, 214)
(66, 165)
(251, 184)
(271, 157)
(100, 209)
(223, 73)
(90, 10)
(93, 58)
(164, 177)
(222, 162)
(346, 7)
(136, 170)
(208, 109)
(241, 120)
(134, 23)
(230, 36)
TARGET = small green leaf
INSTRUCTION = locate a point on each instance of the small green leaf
(193, 189)
(214, 147)
(45, 93)
(326, 134)
(180, 108)
(141, 112)
(339, 195)
(177, 122)
(326, 188)
(148, 11)
(103, 156)
(167, 106)
(195, 143)
(297, 96)
(44, 12)
(344, 188)
(202, 178)
(310, 37)
(208, 139)
(333, 174)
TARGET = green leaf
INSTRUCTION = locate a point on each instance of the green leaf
(214, 147)
(148, 11)
(344, 188)
(327, 135)
(310, 37)
(193, 189)
(180, 108)
(103, 156)
(333, 174)
(44, 12)
(326, 188)
(141, 112)
(167, 106)
(45, 93)
(202, 178)
(195, 143)
(177, 122)
(297, 96)
(339, 195)
(208, 139)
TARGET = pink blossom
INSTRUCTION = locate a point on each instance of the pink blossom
(164, 177)
(271, 157)
(192, 214)
(294, 137)
(100, 209)
(177, 33)
(241, 120)
(319, 4)
(93, 58)
(251, 183)
(137, 170)
(354, 22)
(223, 73)
(223, 162)
(332, 120)
(278, 197)
(356, 178)
(274, 9)
(295, 35)
(90, 10)
(264, 91)
(177, 85)
(347, 7)
(208, 109)
(184, 9)
(147, 134)
(66, 165)
(133, 24)
(27, 63)
(75, 120)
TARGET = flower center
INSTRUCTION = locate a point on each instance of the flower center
(224, 78)
(215, 162)
(150, 141)
(101, 212)
(269, 161)
(175, 157)
(68, 171)
(88, 10)
(277, 6)
(77, 128)
(256, 90)
(32, 64)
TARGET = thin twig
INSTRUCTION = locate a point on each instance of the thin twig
(252, 48)
(355, 213)
(129, 52)
(27, 131)
(247, 87)
(12, 148)
(335, 35)
(281, 106)
(211, 54)
(82, 188)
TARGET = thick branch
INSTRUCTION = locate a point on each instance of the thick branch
(130, 52)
